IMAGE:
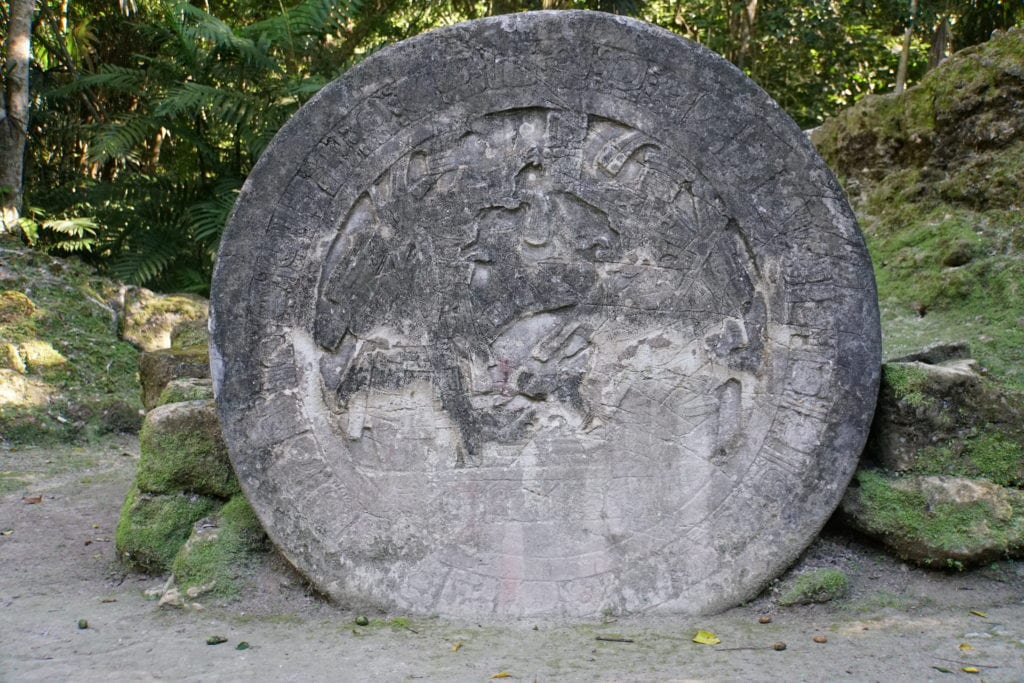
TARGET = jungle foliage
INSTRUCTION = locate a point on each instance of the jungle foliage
(148, 114)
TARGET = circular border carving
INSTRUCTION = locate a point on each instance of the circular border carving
(655, 118)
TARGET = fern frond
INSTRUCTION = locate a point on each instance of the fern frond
(120, 140)
(115, 78)
(207, 217)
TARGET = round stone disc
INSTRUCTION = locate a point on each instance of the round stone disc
(553, 313)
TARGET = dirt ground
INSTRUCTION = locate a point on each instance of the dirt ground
(58, 567)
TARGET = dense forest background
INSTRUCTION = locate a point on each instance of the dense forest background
(146, 115)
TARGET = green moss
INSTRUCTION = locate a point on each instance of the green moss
(989, 454)
(996, 457)
(186, 389)
(936, 180)
(946, 528)
(152, 528)
(219, 559)
(69, 319)
(182, 450)
(906, 382)
(817, 585)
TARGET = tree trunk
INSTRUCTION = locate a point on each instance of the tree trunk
(745, 23)
(901, 71)
(14, 111)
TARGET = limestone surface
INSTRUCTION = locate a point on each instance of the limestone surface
(546, 314)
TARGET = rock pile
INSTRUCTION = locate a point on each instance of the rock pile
(940, 482)
(184, 512)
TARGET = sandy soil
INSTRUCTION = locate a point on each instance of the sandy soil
(57, 567)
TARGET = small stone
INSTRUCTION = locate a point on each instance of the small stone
(216, 640)
(362, 621)
(83, 624)
(764, 619)
(780, 646)
(171, 598)
(820, 639)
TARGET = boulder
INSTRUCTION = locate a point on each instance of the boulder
(182, 450)
(220, 550)
(153, 527)
(157, 368)
(937, 521)
(148, 319)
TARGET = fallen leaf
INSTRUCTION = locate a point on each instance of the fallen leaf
(943, 669)
(31, 500)
(502, 674)
(6, 532)
(965, 647)
(216, 640)
(970, 669)
(979, 614)
(83, 624)
(242, 646)
(706, 638)
(108, 599)
(456, 646)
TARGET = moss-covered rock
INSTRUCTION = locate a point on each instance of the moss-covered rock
(190, 334)
(152, 528)
(937, 521)
(158, 368)
(220, 551)
(15, 306)
(149, 319)
(947, 419)
(10, 358)
(971, 103)
(186, 389)
(815, 586)
(182, 450)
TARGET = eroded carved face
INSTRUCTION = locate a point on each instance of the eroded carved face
(521, 238)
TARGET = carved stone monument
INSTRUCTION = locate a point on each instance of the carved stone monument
(553, 313)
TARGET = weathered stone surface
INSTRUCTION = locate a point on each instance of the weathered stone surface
(937, 353)
(181, 449)
(186, 389)
(190, 334)
(551, 313)
(937, 521)
(157, 368)
(148, 319)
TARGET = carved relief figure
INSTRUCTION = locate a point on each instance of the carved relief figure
(476, 279)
